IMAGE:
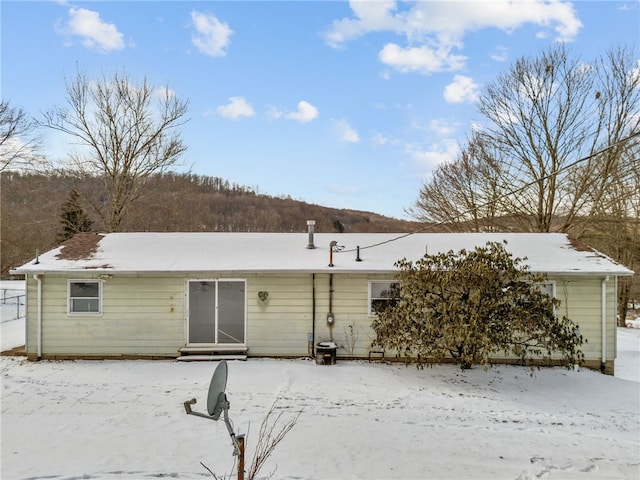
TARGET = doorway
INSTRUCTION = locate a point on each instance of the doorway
(216, 312)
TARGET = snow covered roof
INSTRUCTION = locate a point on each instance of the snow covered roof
(552, 253)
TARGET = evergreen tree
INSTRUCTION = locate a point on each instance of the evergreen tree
(73, 218)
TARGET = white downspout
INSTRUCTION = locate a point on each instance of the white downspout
(38, 279)
(604, 323)
(615, 318)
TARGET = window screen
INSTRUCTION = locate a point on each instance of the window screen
(84, 296)
(381, 294)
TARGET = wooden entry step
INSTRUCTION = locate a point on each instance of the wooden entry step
(209, 358)
(213, 352)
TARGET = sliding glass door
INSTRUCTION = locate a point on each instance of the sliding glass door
(217, 311)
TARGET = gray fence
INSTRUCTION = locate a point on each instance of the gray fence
(11, 305)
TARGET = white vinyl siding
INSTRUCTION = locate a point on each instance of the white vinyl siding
(140, 316)
(283, 325)
(147, 314)
(581, 301)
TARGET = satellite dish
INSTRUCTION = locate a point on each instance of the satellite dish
(217, 398)
(217, 404)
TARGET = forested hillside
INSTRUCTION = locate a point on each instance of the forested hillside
(32, 204)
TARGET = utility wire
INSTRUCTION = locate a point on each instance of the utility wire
(504, 195)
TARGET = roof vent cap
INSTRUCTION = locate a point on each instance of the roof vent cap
(311, 226)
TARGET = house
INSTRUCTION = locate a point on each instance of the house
(269, 294)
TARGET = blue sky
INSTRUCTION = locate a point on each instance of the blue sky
(342, 104)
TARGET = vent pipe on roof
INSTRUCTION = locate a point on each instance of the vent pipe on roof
(332, 245)
(311, 225)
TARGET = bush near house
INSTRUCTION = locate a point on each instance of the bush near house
(472, 307)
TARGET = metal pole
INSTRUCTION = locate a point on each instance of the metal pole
(240, 439)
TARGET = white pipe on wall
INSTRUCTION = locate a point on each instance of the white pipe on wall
(615, 317)
(38, 279)
(604, 323)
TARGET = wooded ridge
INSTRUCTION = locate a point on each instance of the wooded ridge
(32, 203)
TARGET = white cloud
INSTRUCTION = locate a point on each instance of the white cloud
(274, 114)
(462, 89)
(370, 16)
(378, 139)
(305, 113)
(212, 37)
(93, 31)
(164, 92)
(424, 160)
(236, 108)
(476, 126)
(454, 20)
(442, 128)
(500, 54)
(346, 132)
(433, 29)
(634, 75)
(16, 155)
(420, 59)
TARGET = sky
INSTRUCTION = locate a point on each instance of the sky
(341, 104)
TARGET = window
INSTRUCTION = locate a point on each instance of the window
(85, 296)
(381, 293)
(549, 288)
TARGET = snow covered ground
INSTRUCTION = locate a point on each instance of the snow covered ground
(125, 419)
(12, 310)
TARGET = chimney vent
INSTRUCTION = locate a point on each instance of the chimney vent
(311, 225)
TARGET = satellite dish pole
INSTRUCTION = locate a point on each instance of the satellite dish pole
(217, 403)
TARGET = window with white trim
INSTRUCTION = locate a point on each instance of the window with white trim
(85, 296)
(382, 293)
(549, 288)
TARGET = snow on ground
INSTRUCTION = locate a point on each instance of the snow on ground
(12, 310)
(12, 334)
(125, 419)
(628, 361)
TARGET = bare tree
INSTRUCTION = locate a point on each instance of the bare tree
(125, 131)
(598, 182)
(18, 138)
(560, 152)
(544, 115)
(463, 195)
(615, 225)
(272, 432)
